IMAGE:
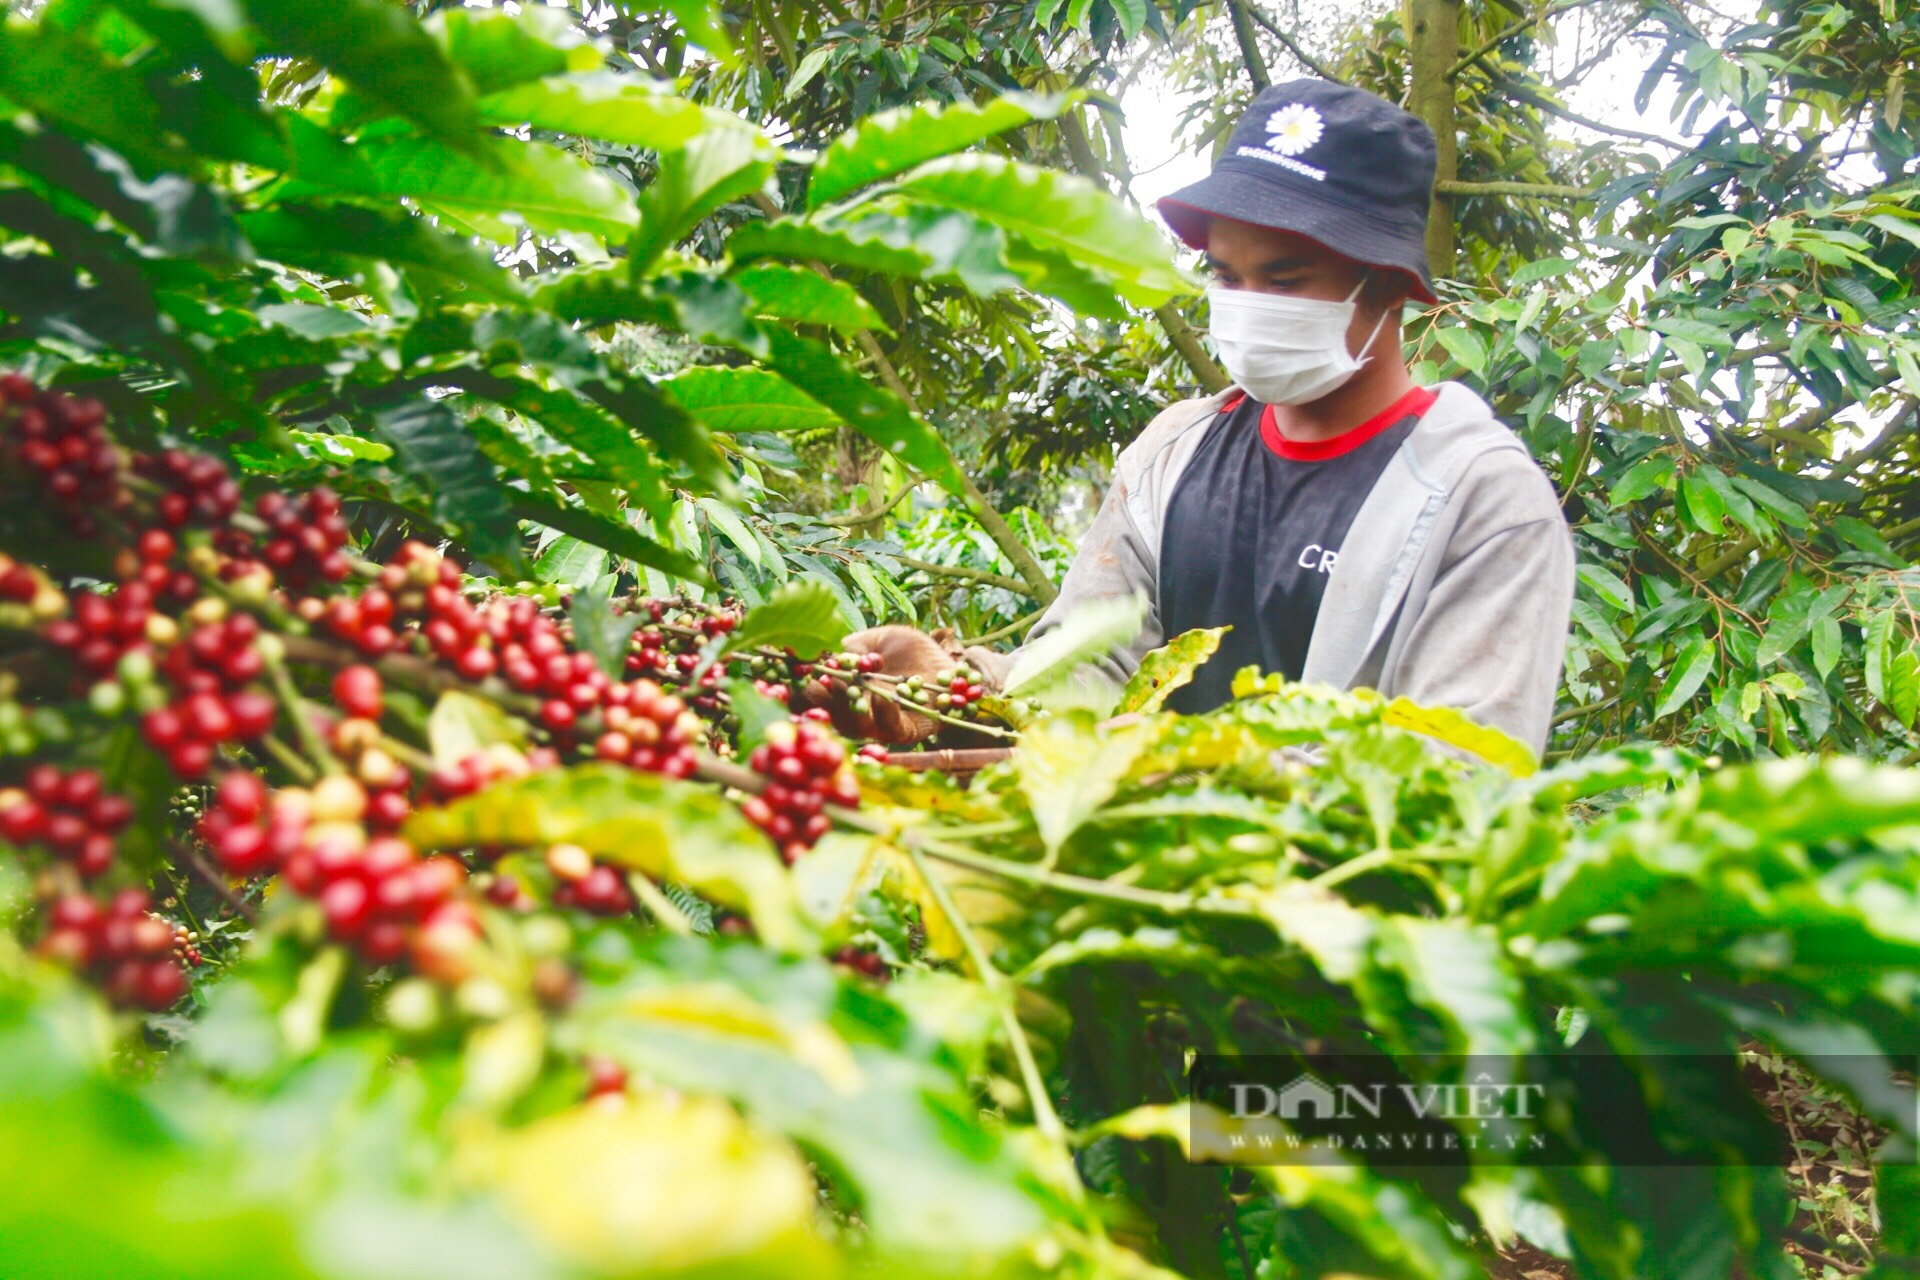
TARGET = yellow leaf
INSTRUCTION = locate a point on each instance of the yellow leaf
(719, 1009)
(659, 1184)
(1452, 727)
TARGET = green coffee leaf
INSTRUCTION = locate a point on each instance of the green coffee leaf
(1095, 629)
(897, 140)
(874, 412)
(722, 517)
(747, 400)
(382, 51)
(807, 297)
(802, 616)
(1689, 671)
(569, 562)
(430, 443)
(606, 105)
(616, 536)
(1058, 210)
(713, 168)
(497, 49)
(1068, 768)
(858, 246)
(601, 632)
(463, 725)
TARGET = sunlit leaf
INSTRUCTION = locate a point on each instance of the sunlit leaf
(802, 616)
(1095, 629)
(897, 140)
(463, 725)
(747, 400)
(1168, 668)
(1452, 727)
(1055, 209)
(669, 830)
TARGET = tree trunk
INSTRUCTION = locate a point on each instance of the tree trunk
(1433, 34)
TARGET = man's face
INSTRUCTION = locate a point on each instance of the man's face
(1263, 260)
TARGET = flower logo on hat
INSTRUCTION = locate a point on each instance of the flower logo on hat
(1294, 128)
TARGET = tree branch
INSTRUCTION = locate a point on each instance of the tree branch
(855, 518)
(1186, 340)
(1878, 446)
(1544, 190)
(1525, 94)
(981, 576)
(1513, 29)
(1013, 628)
(1292, 47)
(1249, 45)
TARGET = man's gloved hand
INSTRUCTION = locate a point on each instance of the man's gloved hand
(904, 651)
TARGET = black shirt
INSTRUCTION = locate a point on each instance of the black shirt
(1254, 529)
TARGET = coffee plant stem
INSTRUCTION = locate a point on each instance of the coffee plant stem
(1045, 1118)
(411, 672)
(272, 658)
(1017, 627)
(184, 850)
(1177, 904)
(408, 754)
(920, 708)
(289, 759)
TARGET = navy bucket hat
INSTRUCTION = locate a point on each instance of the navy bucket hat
(1335, 164)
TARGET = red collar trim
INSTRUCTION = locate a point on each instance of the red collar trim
(1411, 405)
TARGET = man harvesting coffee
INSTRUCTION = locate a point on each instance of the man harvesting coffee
(1351, 527)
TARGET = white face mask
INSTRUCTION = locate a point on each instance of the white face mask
(1284, 350)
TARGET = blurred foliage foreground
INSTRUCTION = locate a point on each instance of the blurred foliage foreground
(1000, 1097)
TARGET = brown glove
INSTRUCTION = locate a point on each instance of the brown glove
(904, 651)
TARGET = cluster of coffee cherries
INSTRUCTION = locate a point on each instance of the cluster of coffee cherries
(357, 741)
(134, 955)
(667, 646)
(806, 769)
(418, 585)
(950, 693)
(26, 597)
(375, 892)
(103, 626)
(195, 488)
(485, 767)
(69, 814)
(586, 885)
(213, 668)
(63, 442)
(651, 730)
(305, 542)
